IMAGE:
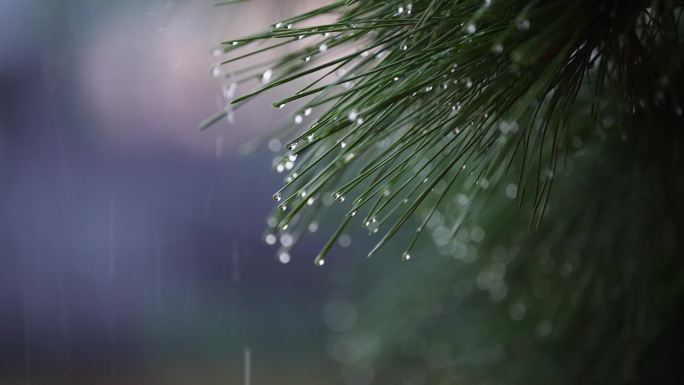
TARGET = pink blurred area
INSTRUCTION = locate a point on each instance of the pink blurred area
(120, 220)
(146, 76)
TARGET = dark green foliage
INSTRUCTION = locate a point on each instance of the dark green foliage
(592, 297)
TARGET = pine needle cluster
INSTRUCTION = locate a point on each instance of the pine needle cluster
(535, 145)
(418, 98)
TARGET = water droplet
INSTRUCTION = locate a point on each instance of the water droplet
(470, 28)
(310, 201)
(270, 239)
(468, 83)
(298, 119)
(229, 90)
(344, 240)
(283, 207)
(321, 262)
(286, 240)
(280, 106)
(307, 112)
(545, 328)
(216, 72)
(292, 157)
(338, 197)
(230, 115)
(302, 194)
(353, 114)
(266, 76)
(371, 223)
(518, 311)
(523, 25)
(313, 227)
(428, 88)
(352, 213)
(277, 197)
(307, 59)
(278, 25)
(217, 52)
(310, 138)
(497, 48)
(511, 191)
(343, 144)
(284, 258)
(291, 146)
(280, 167)
(477, 234)
(234, 43)
(400, 10)
(322, 48)
(406, 256)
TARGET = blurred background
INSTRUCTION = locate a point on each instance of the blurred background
(131, 246)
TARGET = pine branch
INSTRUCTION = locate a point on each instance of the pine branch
(420, 101)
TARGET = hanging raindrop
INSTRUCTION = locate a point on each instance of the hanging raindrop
(284, 258)
(266, 76)
(523, 25)
(216, 72)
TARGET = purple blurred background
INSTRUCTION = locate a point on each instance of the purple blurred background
(130, 242)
